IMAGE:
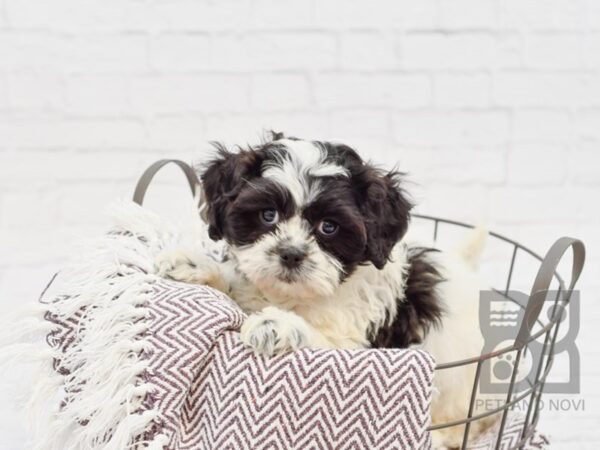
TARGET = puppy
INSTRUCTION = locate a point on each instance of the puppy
(317, 259)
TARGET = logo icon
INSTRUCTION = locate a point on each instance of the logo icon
(500, 318)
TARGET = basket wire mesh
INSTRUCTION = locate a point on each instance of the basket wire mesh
(547, 274)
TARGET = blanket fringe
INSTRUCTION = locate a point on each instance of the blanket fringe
(89, 392)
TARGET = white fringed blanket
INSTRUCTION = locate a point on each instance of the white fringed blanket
(139, 362)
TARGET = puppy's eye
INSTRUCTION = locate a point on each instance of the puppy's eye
(328, 228)
(269, 216)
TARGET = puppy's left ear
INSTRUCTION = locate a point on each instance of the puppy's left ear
(386, 209)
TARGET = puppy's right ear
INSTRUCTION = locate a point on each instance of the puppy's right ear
(222, 181)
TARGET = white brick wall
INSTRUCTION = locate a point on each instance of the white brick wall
(493, 106)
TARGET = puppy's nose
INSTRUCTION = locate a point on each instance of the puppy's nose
(291, 257)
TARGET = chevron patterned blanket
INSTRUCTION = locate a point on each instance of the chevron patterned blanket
(141, 362)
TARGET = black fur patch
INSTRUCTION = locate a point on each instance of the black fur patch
(383, 203)
(419, 310)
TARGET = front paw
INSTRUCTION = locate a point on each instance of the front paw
(274, 331)
(181, 266)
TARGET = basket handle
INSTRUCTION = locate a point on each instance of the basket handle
(544, 278)
(148, 175)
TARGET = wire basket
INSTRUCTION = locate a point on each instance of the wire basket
(531, 329)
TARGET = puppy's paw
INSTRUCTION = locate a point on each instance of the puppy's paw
(274, 331)
(180, 266)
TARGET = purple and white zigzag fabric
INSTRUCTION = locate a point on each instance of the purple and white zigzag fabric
(214, 393)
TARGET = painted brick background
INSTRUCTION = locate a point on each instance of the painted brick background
(493, 106)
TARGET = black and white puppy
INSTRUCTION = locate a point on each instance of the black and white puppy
(317, 259)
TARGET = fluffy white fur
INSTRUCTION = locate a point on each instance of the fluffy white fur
(318, 277)
(458, 338)
(292, 169)
(338, 315)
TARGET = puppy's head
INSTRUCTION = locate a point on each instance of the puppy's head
(300, 216)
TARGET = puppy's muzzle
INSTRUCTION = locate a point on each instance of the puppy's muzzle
(291, 257)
